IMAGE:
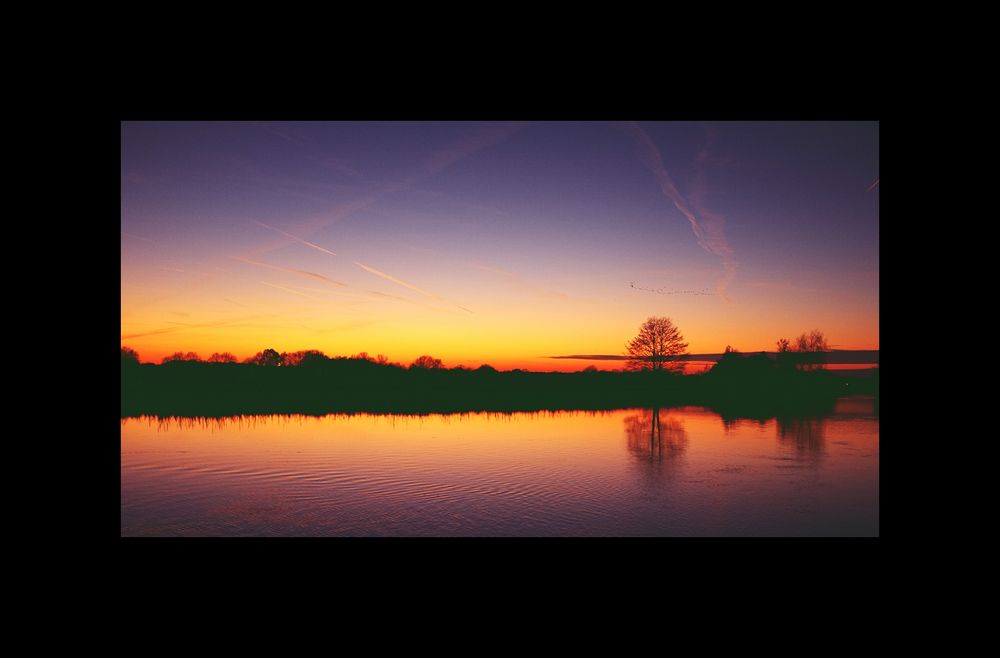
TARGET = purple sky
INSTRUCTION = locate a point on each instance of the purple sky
(496, 242)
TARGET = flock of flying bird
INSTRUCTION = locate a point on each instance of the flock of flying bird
(661, 291)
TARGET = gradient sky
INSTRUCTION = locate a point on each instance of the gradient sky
(498, 243)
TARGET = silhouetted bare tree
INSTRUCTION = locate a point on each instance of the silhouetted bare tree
(815, 341)
(806, 350)
(658, 340)
(223, 357)
(428, 362)
(812, 343)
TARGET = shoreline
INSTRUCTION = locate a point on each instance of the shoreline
(191, 389)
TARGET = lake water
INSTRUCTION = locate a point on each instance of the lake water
(636, 472)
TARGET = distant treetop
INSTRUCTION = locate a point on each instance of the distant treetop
(427, 362)
(181, 356)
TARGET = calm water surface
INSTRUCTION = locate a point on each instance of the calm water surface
(636, 472)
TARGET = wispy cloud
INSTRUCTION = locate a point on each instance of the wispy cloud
(296, 238)
(709, 228)
(289, 270)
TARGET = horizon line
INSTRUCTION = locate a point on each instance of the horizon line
(867, 356)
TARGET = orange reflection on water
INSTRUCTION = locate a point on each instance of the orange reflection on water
(636, 471)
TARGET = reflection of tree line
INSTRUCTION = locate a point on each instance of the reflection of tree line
(652, 435)
(251, 421)
(806, 435)
(655, 436)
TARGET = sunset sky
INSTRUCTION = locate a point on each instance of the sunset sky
(499, 243)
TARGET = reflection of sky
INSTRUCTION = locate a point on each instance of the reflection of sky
(537, 229)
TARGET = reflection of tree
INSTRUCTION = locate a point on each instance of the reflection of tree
(654, 437)
(808, 435)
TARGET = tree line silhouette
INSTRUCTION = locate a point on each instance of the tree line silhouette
(310, 382)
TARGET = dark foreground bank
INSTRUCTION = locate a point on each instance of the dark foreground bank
(748, 387)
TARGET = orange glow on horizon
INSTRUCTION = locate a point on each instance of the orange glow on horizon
(415, 239)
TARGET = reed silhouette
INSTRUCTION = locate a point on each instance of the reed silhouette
(738, 386)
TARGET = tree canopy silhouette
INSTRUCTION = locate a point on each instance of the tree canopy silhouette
(268, 357)
(658, 340)
(812, 343)
(303, 357)
(808, 348)
(815, 341)
(181, 356)
(427, 362)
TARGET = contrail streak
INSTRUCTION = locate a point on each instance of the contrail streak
(710, 233)
(873, 186)
(396, 297)
(327, 291)
(289, 269)
(437, 161)
(294, 292)
(388, 277)
(296, 238)
(220, 323)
